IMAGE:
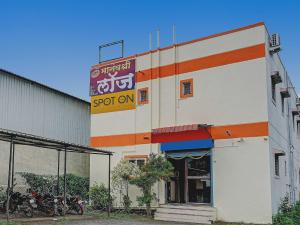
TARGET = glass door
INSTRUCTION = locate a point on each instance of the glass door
(191, 180)
(176, 184)
(198, 180)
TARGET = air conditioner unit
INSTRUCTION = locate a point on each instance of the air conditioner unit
(275, 43)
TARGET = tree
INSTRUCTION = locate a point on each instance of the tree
(155, 169)
(120, 180)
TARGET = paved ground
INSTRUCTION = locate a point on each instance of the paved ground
(105, 222)
(94, 219)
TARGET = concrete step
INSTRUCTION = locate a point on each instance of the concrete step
(202, 214)
(207, 213)
(189, 207)
(182, 218)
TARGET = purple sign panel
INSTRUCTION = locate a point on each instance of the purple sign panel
(112, 78)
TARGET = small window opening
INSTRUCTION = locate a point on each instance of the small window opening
(277, 165)
(138, 162)
(186, 88)
(273, 83)
(282, 105)
(143, 96)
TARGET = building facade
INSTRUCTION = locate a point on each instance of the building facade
(33, 108)
(223, 111)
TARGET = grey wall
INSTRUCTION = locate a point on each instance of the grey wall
(31, 108)
(40, 161)
(27, 107)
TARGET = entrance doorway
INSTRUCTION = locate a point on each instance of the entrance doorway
(191, 182)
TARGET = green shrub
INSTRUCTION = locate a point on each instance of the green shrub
(155, 169)
(99, 196)
(76, 185)
(121, 175)
(285, 205)
(288, 215)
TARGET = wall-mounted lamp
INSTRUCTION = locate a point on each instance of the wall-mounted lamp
(228, 133)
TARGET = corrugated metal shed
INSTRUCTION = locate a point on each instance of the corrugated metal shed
(30, 107)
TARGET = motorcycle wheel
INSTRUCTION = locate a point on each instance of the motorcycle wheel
(61, 211)
(12, 207)
(51, 212)
(79, 209)
(28, 212)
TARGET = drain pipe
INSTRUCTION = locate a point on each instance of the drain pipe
(290, 147)
(159, 101)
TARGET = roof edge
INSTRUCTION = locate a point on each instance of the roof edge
(43, 85)
(182, 43)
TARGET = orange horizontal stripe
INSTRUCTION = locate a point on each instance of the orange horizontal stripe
(121, 140)
(240, 130)
(217, 132)
(221, 59)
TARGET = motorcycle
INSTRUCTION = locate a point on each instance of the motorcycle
(19, 202)
(73, 204)
(45, 203)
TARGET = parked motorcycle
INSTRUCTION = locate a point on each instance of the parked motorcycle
(73, 204)
(19, 202)
(45, 203)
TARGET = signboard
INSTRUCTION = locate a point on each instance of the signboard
(113, 102)
(113, 78)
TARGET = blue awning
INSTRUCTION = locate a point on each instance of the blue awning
(186, 145)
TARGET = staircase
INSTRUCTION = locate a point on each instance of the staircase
(202, 214)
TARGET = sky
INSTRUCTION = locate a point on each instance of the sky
(55, 42)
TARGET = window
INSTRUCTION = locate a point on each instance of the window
(138, 160)
(293, 122)
(282, 105)
(186, 88)
(273, 89)
(143, 96)
(277, 164)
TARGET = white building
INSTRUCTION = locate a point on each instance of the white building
(224, 112)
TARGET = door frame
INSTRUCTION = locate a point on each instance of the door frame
(210, 154)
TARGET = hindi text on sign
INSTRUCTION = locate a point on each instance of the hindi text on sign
(113, 78)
